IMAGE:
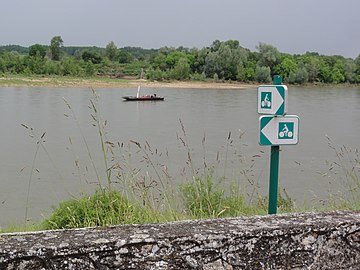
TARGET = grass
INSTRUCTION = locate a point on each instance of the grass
(145, 193)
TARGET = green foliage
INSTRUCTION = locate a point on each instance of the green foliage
(91, 56)
(181, 70)
(37, 50)
(198, 77)
(124, 57)
(155, 74)
(101, 209)
(206, 198)
(111, 51)
(202, 199)
(269, 56)
(55, 48)
(70, 67)
(222, 61)
(300, 76)
(262, 74)
(287, 66)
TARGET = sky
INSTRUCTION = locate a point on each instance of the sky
(329, 27)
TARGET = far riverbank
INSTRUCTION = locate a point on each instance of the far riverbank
(72, 82)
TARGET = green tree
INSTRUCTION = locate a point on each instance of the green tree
(337, 76)
(181, 71)
(124, 57)
(300, 76)
(55, 48)
(286, 66)
(269, 56)
(262, 74)
(37, 50)
(70, 67)
(325, 75)
(313, 68)
(225, 61)
(91, 56)
(111, 51)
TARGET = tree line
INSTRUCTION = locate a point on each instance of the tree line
(221, 61)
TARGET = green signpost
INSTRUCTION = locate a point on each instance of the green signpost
(276, 129)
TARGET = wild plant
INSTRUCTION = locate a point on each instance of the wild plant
(40, 144)
(346, 170)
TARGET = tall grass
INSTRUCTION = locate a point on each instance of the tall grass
(135, 184)
(345, 169)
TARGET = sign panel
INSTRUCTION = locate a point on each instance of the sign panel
(279, 130)
(272, 99)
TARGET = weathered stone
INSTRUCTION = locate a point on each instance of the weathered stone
(295, 241)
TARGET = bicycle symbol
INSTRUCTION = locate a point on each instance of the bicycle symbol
(285, 132)
(266, 102)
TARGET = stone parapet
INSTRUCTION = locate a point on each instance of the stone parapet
(292, 241)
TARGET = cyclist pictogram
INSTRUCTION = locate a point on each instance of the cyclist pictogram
(266, 100)
(286, 130)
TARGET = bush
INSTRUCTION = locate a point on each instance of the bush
(100, 209)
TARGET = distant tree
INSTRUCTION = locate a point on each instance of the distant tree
(286, 66)
(181, 71)
(350, 69)
(325, 75)
(199, 60)
(262, 74)
(215, 45)
(337, 76)
(37, 50)
(241, 73)
(91, 56)
(300, 76)
(173, 58)
(55, 48)
(124, 57)
(111, 51)
(357, 64)
(225, 61)
(313, 68)
(155, 74)
(269, 56)
(70, 67)
(157, 61)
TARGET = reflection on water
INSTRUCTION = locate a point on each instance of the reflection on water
(205, 113)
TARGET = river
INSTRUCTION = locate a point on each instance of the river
(219, 128)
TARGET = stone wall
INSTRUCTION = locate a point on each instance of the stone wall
(295, 241)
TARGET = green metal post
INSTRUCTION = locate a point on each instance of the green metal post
(274, 168)
(274, 175)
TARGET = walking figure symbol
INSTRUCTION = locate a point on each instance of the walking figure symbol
(266, 100)
(286, 130)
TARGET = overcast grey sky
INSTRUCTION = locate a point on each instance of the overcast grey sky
(293, 26)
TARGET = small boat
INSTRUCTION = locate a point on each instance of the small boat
(153, 97)
(142, 98)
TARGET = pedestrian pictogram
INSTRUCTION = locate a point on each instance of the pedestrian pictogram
(266, 100)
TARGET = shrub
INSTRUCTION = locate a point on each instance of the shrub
(100, 209)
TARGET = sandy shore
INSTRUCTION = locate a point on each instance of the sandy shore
(114, 83)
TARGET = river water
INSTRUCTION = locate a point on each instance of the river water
(219, 128)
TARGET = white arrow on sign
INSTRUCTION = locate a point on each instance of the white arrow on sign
(279, 130)
(272, 99)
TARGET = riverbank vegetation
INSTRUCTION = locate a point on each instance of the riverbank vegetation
(225, 61)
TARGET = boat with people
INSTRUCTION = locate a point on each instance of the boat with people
(152, 97)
